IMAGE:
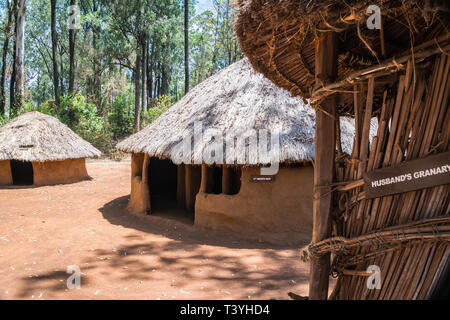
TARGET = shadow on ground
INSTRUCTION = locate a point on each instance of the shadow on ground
(169, 255)
(116, 213)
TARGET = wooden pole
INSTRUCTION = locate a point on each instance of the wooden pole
(145, 168)
(226, 179)
(325, 142)
(188, 188)
(204, 182)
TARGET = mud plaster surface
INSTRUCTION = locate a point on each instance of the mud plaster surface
(5, 173)
(59, 172)
(280, 211)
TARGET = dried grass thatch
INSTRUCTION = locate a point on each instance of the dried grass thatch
(38, 137)
(279, 37)
(236, 99)
(400, 73)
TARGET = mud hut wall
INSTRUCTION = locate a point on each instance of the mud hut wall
(140, 193)
(262, 209)
(5, 173)
(137, 162)
(59, 172)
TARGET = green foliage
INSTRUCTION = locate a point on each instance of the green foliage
(82, 117)
(111, 39)
(3, 120)
(48, 107)
(121, 117)
(159, 106)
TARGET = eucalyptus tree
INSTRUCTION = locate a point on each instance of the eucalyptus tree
(9, 10)
(55, 53)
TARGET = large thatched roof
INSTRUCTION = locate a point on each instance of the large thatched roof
(34, 136)
(280, 37)
(236, 99)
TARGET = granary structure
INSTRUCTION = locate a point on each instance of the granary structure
(37, 149)
(231, 195)
(387, 205)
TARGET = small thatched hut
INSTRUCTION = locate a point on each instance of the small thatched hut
(231, 195)
(386, 208)
(37, 149)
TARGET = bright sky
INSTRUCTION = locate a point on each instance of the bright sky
(203, 5)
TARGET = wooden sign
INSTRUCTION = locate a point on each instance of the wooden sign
(413, 175)
(262, 178)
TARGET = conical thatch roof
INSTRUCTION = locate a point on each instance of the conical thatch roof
(34, 136)
(235, 100)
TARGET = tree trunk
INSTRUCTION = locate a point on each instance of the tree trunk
(55, 53)
(186, 46)
(61, 71)
(20, 54)
(144, 75)
(150, 73)
(164, 73)
(96, 82)
(10, 10)
(12, 84)
(96, 87)
(325, 146)
(72, 40)
(137, 92)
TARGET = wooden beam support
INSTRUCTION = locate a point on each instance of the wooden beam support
(227, 179)
(204, 183)
(420, 52)
(325, 142)
(145, 168)
(190, 201)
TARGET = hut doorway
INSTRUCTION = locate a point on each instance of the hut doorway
(22, 173)
(163, 186)
(162, 180)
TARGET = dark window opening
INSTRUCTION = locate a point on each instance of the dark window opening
(22, 173)
(214, 180)
(217, 176)
(223, 179)
(233, 184)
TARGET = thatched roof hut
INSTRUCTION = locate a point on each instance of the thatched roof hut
(44, 147)
(236, 99)
(388, 59)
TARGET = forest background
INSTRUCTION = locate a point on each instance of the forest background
(108, 68)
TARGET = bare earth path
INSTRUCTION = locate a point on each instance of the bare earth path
(44, 230)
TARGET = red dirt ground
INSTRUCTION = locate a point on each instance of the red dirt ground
(43, 230)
